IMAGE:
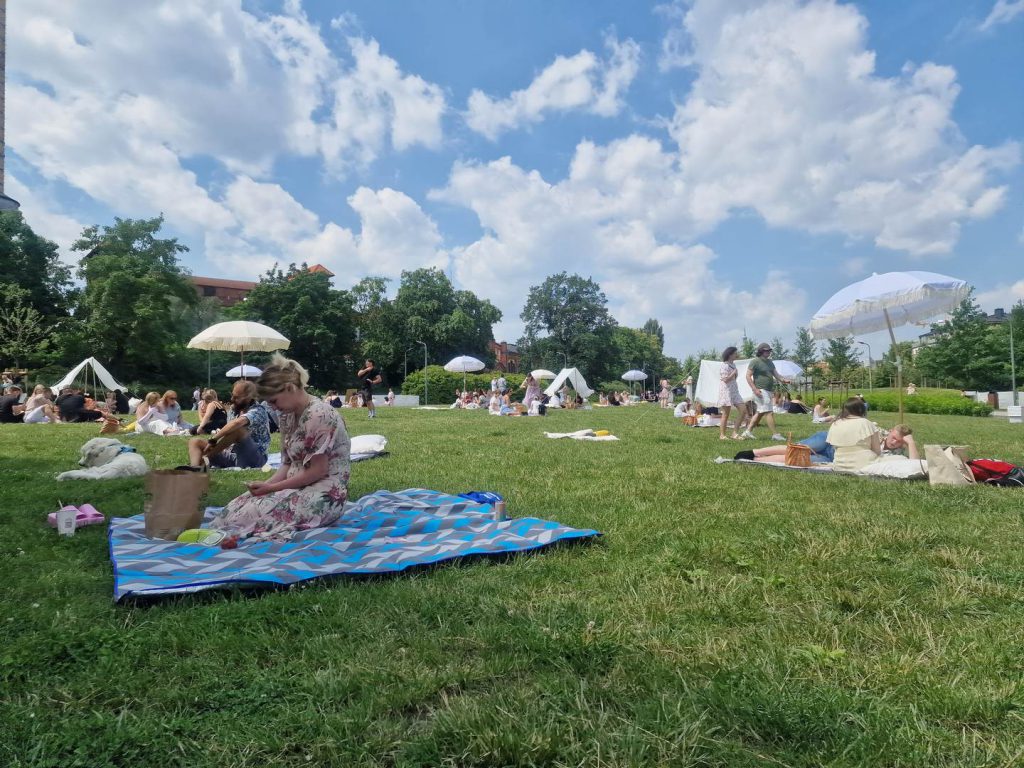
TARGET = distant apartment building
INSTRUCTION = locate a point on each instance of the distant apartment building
(507, 355)
(996, 318)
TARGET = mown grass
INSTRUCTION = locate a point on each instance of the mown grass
(730, 616)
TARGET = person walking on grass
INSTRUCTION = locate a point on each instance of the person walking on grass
(761, 376)
(729, 393)
(370, 374)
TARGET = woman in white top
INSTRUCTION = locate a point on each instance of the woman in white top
(856, 440)
(821, 414)
(39, 409)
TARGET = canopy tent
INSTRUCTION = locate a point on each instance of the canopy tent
(575, 379)
(243, 372)
(99, 372)
(710, 377)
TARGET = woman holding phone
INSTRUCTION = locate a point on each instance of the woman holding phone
(311, 486)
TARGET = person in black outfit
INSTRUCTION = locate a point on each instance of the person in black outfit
(71, 405)
(11, 411)
(370, 374)
(121, 402)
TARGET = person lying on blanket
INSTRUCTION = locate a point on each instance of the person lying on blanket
(898, 441)
(311, 486)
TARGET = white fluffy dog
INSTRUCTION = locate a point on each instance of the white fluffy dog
(104, 459)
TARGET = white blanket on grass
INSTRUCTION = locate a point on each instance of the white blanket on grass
(583, 434)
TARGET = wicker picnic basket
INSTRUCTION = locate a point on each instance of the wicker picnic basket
(797, 455)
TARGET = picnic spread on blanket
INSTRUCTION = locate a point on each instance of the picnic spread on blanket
(383, 532)
(599, 435)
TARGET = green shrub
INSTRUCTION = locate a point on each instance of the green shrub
(938, 401)
(442, 384)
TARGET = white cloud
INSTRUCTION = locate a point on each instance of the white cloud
(42, 214)
(1004, 295)
(788, 117)
(579, 82)
(854, 267)
(1003, 12)
(605, 221)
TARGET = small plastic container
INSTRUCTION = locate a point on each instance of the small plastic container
(84, 514)
(498, 511)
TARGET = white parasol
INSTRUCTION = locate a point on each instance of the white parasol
(464, 364)
(787, 368)
(243, 372)
(885, 301)
(239, 336)
(543, 373)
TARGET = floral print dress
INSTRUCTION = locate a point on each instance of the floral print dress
(278, 515)
(729, 391)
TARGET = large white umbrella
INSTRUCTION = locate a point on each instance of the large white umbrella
(243, 372)
(787, 368)
(886, 301)
(239, 336)
(634, 375)
(543, 373)
(464, 364)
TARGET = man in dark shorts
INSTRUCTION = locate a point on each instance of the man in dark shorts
(370, 375)
(11, 410)
(71, 405)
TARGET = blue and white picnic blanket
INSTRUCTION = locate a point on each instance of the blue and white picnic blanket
(383, 532)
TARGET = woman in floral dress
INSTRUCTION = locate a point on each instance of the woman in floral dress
(729, 392)
(310, 488)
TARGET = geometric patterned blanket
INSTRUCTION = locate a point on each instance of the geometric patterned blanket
(382, 532)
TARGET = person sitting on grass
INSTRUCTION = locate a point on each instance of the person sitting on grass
(311, 486)
(820, 415)
(39, 409)
(12, 411)
(150, 417)
(172, 411)
(243, 441)
(212, 414)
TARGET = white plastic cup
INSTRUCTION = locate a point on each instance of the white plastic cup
(498, 511)
(66, 521)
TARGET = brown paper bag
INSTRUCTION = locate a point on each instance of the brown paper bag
(173, 503)
(947, 465)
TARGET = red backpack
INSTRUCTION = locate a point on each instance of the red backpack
(995, 472)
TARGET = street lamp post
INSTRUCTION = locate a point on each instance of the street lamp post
(405, 364)
(1013, 364)
(871, 378)
(565, 359)
(425, 389)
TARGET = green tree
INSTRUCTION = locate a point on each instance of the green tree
(965, 351)
(317, 319)
(748, 347)
(1002, 344)
(33, 264)
(841, 356)
(654, 328)
(568, 314)
(23, 330)
(450, 322)
(125, 315)
(885, 369)
(805, 353)
(779, 349)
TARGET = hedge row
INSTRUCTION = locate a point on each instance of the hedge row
(939, 401)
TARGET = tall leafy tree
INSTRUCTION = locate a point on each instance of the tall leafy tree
(779, 348)
(125, 314)
(805, 353)
(316, 318)
(747, 347)
(568, 314)
(33, 264)
(23, 330)
(449, 322)
(841, 356)
(654, 328)
(965, 351)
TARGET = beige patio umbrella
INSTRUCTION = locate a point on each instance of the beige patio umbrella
(239, 336)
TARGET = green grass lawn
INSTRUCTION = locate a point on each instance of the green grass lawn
(730, 616)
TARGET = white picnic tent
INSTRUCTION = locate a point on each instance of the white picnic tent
(575, 379)
(98, 371)
(710, 377)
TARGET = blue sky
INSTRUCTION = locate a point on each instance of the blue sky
(719, 166)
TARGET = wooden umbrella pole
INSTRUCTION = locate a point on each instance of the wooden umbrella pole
(899, 364)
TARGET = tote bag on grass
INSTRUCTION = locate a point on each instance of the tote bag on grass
(947, 465)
